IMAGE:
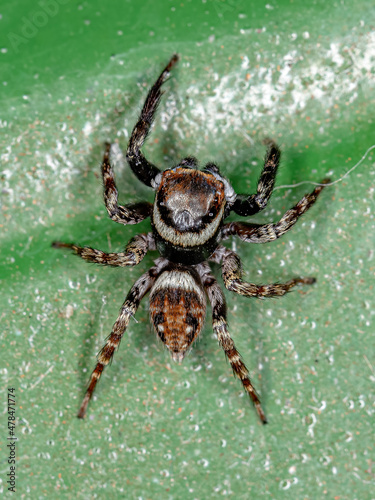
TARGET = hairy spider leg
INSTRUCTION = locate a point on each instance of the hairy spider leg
(143, 169)
(135, 250)
(251, 204)
(263, 233)
(134, 297)
(232, 272)
(129, 214)
(220, 326)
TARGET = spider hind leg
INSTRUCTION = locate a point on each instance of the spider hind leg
(130, 306)
(220, 326)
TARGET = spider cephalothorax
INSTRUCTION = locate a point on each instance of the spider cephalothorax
(188, 224)
(188, 214)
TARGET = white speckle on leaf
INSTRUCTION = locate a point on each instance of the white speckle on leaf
(87, 129)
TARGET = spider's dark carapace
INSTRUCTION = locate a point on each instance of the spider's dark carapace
(188, 225)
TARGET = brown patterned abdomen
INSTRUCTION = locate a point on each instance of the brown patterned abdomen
(177, 307)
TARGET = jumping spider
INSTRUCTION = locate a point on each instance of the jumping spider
(187, 221)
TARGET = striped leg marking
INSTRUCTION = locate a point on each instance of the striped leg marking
(220, 327)
(129, 214)
(144, 170)
(231, 272)
(255, 233)
(246, 205)
(135, 250)
(137, 292)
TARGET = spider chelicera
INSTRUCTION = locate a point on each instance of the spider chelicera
(187, 219)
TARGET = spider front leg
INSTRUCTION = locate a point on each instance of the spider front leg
(231, 272)
(134, 297)
(144, 170)
(130, 214)
(251, 204)
(135, 250)
(220, 326)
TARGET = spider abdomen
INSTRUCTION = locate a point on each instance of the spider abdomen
(177, 308)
